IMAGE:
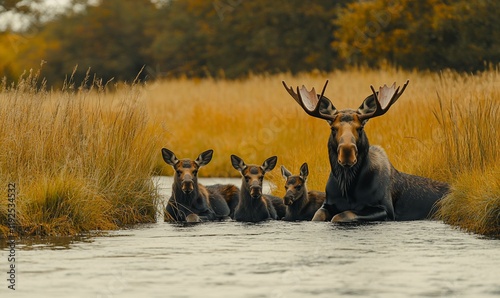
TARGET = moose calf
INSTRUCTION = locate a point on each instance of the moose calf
(191, 201)
(254, 206)
(300, 203)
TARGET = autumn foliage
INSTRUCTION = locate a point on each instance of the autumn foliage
(235, 38)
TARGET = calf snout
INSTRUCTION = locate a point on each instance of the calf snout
(288, 198)
(347, 154)
(255, 191)
(187, 184)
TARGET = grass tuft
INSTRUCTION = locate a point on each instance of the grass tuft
(82, 158)
(474, 203)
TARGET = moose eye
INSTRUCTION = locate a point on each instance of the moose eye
(179, 173)
(298, 187)
(247, 179)
(195, 173)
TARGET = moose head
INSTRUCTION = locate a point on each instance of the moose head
(253, 175)
(347, 138)
(295, 185)
(186, 170)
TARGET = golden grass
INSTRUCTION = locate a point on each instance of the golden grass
(82, 159)
(443, 126)
(474, 203)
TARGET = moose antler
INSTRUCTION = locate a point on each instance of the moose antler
(384, 99)
(309, 100)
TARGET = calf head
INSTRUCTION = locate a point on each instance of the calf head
(186, 170)
(295, 185)
(253, 175)
(347, 137)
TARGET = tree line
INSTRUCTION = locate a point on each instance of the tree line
(123, 39)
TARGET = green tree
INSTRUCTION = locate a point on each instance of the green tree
(467, 35)
(111, 39)
(427, 34)
(239, 37)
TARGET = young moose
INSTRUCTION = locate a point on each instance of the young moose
(253, 205)
(191, 201)
(363, 185)
(300, 203)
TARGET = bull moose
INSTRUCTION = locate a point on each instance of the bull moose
(301, 204)
(192, 201)
(363, 185)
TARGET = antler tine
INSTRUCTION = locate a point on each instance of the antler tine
(323, 91)
(311, 105)
(293, 94)
(384, 99)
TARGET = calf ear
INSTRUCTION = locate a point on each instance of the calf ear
(169, 157)
(238, 163)
(304, 171)
(204, 158)
(286, 173)
(269, 164)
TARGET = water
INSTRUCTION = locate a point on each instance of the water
(271, 259)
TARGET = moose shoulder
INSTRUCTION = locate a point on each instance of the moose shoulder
(363, 185)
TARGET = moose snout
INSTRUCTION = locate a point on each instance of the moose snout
(347, 155)
(255, 191)
(288, 198)
(187, 185)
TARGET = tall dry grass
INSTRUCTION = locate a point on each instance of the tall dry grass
(81, 158)
(443, 127)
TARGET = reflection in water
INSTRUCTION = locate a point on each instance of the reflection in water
(270, 259)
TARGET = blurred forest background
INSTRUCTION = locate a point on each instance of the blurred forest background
(233, 38)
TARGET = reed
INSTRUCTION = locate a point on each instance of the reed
(82, 158)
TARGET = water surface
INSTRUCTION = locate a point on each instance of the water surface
(271, 259)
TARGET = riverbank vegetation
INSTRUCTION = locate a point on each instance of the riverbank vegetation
(81, 158)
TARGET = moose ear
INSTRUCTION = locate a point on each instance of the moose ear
(238, 163)
(286, 173)
(169, 157)
(326, 107)
(204, 158)
(269, 164)
(304, 171)
(368, 106)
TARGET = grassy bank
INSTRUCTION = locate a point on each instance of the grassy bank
(443, 127)
(81, 158)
